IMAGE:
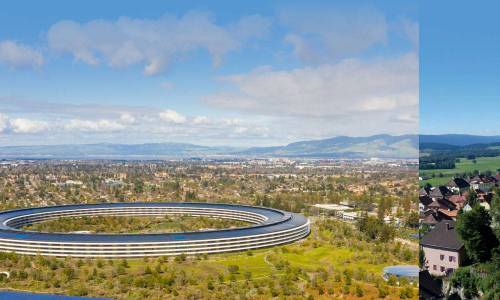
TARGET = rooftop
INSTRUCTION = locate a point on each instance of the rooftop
(443, 236)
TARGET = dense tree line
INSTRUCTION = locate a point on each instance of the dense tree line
(438, 158)
(112, 224)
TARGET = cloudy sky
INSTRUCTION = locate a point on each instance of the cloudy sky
(212, 73)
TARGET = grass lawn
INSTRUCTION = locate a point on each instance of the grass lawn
(482, 164)
(310, 259)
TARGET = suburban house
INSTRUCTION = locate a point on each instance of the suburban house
(458, 185)
(483, 183)
(440, 192)
(424, 191)
(433, 217)
(424, 202)
(446, 204)
(458, 200)
(443, 249)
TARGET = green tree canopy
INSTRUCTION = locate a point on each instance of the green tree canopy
(474, 227)
(472, 198)
(495, 212)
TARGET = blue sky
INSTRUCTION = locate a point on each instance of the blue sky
(214, 73)
(460, 63)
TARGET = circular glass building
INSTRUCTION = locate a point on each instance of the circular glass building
(270, 227)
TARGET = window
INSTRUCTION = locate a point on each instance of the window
(453, 259)
(441, 256)
(434, 267)
(442, 269)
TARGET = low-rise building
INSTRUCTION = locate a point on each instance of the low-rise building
(443, 248)
(483, 183)
(458, 185)
(424, 202)
(440, 192)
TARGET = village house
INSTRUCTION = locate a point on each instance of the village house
(424, 191)
(458, 200)
(424, 202)
(440, 192)
(443, 249)
(432, 217)
(458, 185)
(483, 183)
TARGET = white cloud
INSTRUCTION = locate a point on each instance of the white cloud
(411, 117)
(172, 116)
(14, 55)
(94, 126)
(20, 125)
(201, 120)
(240, 129)
(4, 122)
(346, 87)
(338, 94)
(127, 118)
(231, 122)
(153, 43)
(319, 35)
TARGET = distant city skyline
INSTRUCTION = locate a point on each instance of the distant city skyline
(217, 73)
(459, 75)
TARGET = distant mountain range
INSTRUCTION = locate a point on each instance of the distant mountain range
(458, 139)
(382, 146)
(442, 151)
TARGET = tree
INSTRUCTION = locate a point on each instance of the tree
(359, 291)
(139, 186)
(466, 279)
(233, 269)
(124, 263)
(422, 261)
(373, 228)
(413, 219)
(370, 226)
(387, 232)
(248, 275)
(476, 233)
(495, 212)
(472, 198)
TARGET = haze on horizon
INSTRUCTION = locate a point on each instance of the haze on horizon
(223, 73)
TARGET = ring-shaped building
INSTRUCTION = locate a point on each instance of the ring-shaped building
(269, 227)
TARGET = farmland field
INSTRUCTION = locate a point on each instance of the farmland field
(482, 164)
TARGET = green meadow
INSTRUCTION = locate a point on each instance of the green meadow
(482, 164)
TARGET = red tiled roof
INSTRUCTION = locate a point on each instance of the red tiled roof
(458, 200)
(449, 213)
